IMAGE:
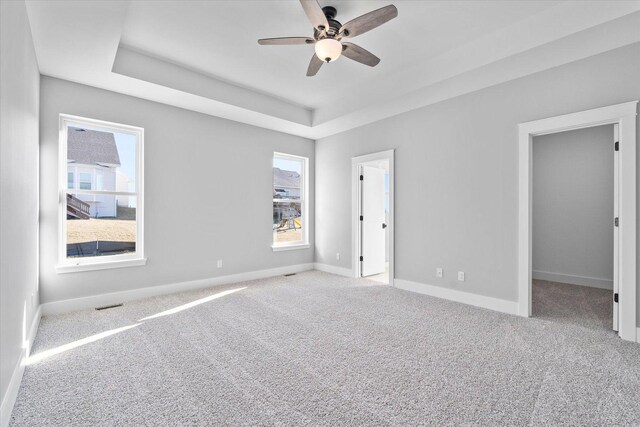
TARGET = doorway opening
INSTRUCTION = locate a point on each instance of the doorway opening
(625, 237)
(574, 203)
(373, 216)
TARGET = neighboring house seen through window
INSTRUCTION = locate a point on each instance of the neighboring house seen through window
(290, 229)
(100, 217)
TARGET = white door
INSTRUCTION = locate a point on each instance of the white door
(616, 191)
(373, 221)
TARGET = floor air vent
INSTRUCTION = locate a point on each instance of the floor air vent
(109, 306)
(290, 274)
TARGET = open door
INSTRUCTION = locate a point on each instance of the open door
(616, 195)
(373, 220)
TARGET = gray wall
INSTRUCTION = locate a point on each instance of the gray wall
(207, 193)
(573, 207)
(457, 172)
(19, 89)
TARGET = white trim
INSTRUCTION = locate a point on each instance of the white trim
(65, 306)
(615, 322)
(100, 265)
(66, 265)
(278, 248)
(12, 391)
(340, 271)
(16, 377)
(491, 303)
(356, 162)
(625, 116)
(573, 279)
(33, 330)
(638, 336)
(104, 192)
(579, 120)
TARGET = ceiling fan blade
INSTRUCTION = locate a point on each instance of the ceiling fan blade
(286, 41)
(315, 14)
(363, 56)
(369, 21)
(314, 66)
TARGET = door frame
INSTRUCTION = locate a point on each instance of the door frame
(625, 116)
(356, 240)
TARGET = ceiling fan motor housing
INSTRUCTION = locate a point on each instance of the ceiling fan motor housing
(334, 26)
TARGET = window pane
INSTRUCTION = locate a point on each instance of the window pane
(111, 154)
(85, 181)
(126, 171)
(99, 225)
(100, 160)
(287, 222)
(287, 204)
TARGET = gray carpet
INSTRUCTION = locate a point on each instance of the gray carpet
(318, 349)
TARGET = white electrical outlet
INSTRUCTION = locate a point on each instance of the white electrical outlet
(439, 272)
(338, 256)
(460, 276)
(219, 263)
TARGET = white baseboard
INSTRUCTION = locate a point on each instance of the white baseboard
(496, 304)
(33, 330)
(638, 335)
(12, 392)
(592, 282)
(65, 306)
(340, 271)
(16, 377)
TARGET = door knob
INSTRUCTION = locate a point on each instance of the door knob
(384, 225)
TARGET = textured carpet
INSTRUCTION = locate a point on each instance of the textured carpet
(318, 349)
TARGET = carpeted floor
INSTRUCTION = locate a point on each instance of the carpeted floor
(318, 349)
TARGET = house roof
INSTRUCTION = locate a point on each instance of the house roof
(91, 146)
(284, 178)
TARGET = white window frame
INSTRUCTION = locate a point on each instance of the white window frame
(304, 197)
(70, 265)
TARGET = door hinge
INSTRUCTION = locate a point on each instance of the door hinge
(616, 146)
(361, 177)
(361, 218)
(615, 297)
(361, 258)
(616, 222)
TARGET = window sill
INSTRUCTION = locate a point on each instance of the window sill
(290, 247)
(101, 265)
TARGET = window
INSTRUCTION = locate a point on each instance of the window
(100, 218)
(290, 188)
(85, 181)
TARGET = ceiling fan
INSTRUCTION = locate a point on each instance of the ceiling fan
(328, 33)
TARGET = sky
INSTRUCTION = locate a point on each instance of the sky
(288, 165)
(126, 145)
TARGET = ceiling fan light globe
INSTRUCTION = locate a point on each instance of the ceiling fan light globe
(328, 50)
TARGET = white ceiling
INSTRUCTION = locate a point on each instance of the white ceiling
(221, 40)
(203, 55)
